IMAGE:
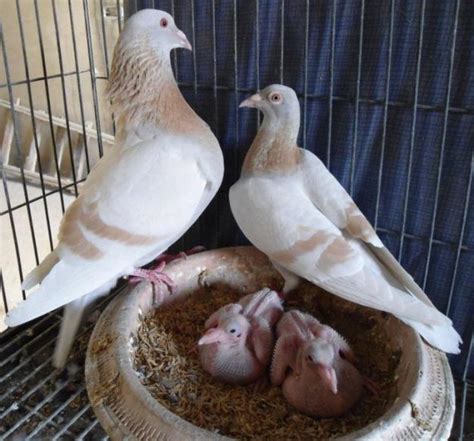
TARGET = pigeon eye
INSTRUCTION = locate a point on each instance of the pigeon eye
(163, 23)
(232, 331)
(310, 358)
(275, 97)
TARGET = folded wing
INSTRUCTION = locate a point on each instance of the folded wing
(136, 202)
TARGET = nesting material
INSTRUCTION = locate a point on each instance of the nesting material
(174, 376)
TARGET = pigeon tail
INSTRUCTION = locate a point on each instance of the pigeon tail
(442, 337)
(62, 285)
(41, 271)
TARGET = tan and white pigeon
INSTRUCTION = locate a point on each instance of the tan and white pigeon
(294, 210)
(238, 343)
(314, 366)
(142, 196)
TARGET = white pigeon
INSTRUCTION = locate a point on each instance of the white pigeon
(294, 210)
(143, 195)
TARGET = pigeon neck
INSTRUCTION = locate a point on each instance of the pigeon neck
(274, 149)
(143, 91)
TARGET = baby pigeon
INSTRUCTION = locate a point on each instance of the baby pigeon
(238, 343)
(294, 210)
(142, 196)
(313, 363)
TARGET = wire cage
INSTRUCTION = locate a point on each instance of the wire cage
(386, 91)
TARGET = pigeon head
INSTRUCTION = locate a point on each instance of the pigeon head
(318, 356)
(159, 27)
(231, 331)
(275, 102)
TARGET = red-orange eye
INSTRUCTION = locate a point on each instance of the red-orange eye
(275, 97)
(163, 22)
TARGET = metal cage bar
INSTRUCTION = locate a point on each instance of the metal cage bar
(443, 143)
(48, 104)
(413, 129)
(357, 98)
(63, 90)
(79, 86)
(93, 76)
(33, 124)
(331, 81)
(385, 112)
(305, 86)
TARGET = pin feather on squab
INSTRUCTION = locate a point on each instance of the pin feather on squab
(164, 169)
(294, 210)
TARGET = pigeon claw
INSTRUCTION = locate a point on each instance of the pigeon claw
(153, 275)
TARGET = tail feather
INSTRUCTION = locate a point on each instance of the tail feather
(72, 317)
(40, 272)
(443, 337)
(63, 284)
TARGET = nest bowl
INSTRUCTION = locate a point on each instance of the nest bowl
(127, 410)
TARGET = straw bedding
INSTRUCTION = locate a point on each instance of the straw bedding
(173, 374)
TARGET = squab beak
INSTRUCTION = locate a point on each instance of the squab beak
(213, 335)
(328, 375)
(252, 101)
(184, 42)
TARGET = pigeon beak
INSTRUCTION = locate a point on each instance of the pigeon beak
(213, 335)
(328, 375)
(252, 101)
(183, 41)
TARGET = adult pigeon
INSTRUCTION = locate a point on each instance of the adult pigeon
(238, 343)
(293, 209)
(141, 197)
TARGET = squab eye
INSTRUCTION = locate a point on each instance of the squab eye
(163, 23)
(275, 97)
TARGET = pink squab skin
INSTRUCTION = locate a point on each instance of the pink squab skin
(314, 366)
(238, 341)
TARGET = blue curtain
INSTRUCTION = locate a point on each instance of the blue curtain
(419, 146)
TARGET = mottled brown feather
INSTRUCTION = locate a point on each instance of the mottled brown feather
(143, 91)
(92, 221)
(70, 232)
(358, 225)
(272, 154)
(289, 255)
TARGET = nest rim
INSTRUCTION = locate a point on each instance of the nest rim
(127, 410)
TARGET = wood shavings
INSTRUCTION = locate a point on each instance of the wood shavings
(171, 371)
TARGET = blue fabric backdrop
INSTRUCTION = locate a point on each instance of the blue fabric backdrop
(214, 89)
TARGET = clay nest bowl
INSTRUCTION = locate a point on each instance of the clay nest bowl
(419, 405)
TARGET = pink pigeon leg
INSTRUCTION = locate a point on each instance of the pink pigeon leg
(153, 275)
(157, 278)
